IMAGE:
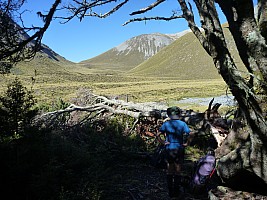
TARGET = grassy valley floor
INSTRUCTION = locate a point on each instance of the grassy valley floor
(48, 88)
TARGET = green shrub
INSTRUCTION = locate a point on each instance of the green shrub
(55, 105)
(77, 163)
(5, 67)
(16, 110)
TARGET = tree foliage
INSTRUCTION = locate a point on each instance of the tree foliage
(16, 108)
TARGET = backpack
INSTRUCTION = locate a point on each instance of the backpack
(204, 169)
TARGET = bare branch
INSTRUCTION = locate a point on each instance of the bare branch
(150, 7)
(21, 45)
(153, 18)
(80, 11)
(189, 16)
(110, 12)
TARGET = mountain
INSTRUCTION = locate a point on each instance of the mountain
(46, 61)
(178, 56)
(132, 52)
(43, 59)
(45, 51)
(49, 53)
(185, 58)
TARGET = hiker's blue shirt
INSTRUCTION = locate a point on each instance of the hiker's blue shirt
(174, 130)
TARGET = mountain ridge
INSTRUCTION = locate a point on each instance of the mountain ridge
(132, 52)
(186, 58)
(178, 56)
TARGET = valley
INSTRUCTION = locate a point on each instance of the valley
(146, 68)
(48, 88)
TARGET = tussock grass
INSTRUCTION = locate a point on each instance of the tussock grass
(49, 87)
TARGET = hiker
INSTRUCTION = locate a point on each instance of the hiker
(204, 177)
(173, 131)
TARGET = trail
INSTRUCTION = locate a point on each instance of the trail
(146, 182)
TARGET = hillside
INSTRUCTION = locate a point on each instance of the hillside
(132, 52)
(45, 59)
(49, 65)
(184, 59)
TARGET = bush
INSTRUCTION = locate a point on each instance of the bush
(16, 110)
(77, 163)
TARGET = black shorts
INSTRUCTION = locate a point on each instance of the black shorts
(175, 155)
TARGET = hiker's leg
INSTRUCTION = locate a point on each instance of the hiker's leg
(173, 176)
(171, 169)
(177, 177)
(171, 172)
(170, 157)
(170, 183)
(174, 181)
(178, 168)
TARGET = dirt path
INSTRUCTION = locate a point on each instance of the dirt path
(142, 181)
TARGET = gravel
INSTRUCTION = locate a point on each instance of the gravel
(225, 100)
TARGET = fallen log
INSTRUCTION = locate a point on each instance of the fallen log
(103, 104)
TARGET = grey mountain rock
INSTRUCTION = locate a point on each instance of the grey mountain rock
(148, 45)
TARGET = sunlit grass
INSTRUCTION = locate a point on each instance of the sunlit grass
(49, 88)
(50, 81)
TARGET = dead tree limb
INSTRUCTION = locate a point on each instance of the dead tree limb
(148, 117)
(101, 104)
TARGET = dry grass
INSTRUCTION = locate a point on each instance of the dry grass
(48, 88)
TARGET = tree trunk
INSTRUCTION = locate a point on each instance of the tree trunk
(243, 27)
(250, 43)
(262, 17)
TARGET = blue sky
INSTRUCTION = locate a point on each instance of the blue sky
(77, 41)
